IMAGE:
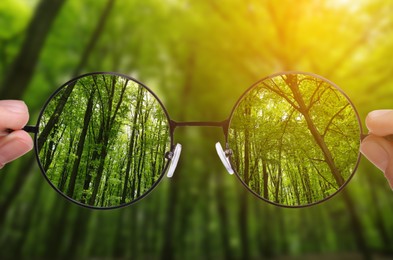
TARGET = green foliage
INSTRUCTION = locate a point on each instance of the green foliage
(295, 139)
(106, 146)
(199, 57)
(14, 17)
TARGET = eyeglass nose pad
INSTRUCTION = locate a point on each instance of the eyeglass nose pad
(174, 157)
(224, 157)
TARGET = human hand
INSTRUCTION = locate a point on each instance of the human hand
(14, 115)
(377, 149)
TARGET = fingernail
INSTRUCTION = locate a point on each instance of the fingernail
(15, 106)
(376, 154)
(379, 113)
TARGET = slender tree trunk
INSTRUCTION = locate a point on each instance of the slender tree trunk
(23, 170)
(108, 124)
(247, 150)
(131, 146)
(79, 232)
(168, 248)
(243, 224)
(100, 170)
(266, 236)
(95, 36)
(380, 225)
(54, 119)
(265, 180)
(22, 68)
(81, 144)
(28, 224)
(51, 150)
(356, 225)
(105, 187)
(142, 157)
(224, 222)
(120, 244)
(64, 173)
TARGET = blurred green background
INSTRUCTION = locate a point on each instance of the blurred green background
(199, 57)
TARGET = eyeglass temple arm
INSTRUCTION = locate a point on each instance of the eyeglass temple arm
(28, 128)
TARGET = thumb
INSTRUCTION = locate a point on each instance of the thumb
(379, 151)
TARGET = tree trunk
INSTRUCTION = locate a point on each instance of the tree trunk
(64, 173)
(292, 82)
(243, 224)
(54, 119)
(265, 180)
(22, 68)
(356, 225)
(247, 150)
(81, 143)
(107, 128)
(131, 146)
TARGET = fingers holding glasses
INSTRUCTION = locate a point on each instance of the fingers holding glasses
(380, 122)
(14, 146)
(105, 140)
(375, 147)
(13, 115)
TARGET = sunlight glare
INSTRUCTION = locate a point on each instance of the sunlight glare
(347, 4)
(342, 2)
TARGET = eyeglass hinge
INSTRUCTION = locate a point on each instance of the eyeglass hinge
(228, 152)
(31, 129)
(169, 155)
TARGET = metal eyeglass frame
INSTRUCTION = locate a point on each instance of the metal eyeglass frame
(174, 154)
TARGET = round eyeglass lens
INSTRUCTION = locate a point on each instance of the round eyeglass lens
(102, 140)
(295, 139)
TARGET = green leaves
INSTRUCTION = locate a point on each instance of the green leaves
(286, 134)
(121, 134)
(14, 17)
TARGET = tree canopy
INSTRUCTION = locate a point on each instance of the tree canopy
(104, 139)
(295, 139)
(198, 57)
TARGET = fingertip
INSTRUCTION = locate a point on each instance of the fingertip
(14, 114)
(380, 122)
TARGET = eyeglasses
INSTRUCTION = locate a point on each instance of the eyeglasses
(105, 140)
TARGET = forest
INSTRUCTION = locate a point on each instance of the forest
(295, 139)
(102, 140)
(198, 57)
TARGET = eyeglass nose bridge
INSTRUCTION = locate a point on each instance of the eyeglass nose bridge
(174, 154)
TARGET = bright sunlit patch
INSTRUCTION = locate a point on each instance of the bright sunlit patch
(350, 5)
(342, 2)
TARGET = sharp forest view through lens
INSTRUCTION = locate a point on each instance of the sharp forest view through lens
(295, 139)
(102, 140)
